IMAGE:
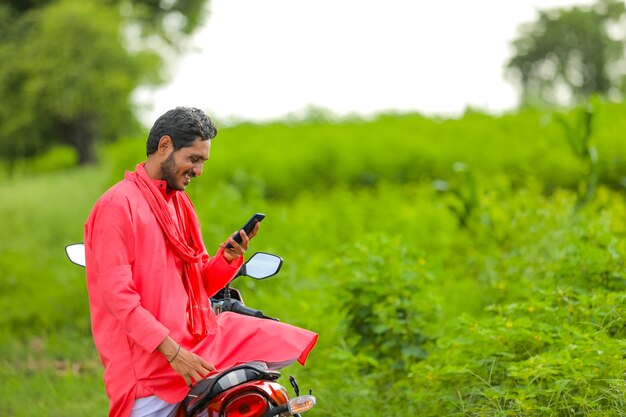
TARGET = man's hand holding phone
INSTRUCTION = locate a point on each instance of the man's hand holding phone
(237, 244)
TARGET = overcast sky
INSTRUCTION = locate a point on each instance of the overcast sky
(262, 59)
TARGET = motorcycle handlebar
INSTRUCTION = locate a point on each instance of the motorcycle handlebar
(237, 306)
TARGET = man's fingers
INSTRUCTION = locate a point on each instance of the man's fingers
(206, 365)
(240, 248)
(197, 376)
(245, 241)
(236, 247)
(234, 243)
(193, 376)
(255, 230)
(191, 367)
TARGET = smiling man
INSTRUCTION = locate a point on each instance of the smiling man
(149, 279)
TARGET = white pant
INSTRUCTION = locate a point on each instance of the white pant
(152, 407)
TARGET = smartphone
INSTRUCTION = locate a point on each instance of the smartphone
(247, 228)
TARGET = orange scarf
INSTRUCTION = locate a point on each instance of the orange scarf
(186, 244)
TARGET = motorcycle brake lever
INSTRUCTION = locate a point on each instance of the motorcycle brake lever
(294, 384)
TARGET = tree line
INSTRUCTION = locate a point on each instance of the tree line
(69, 67)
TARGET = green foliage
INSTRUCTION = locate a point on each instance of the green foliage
(464, 193)
(384, 306)
(409, 148)
(567, 55)
(550, 337)
(67, 79)
(517, 310)
(579, 138)
(169, 20)
(551, 354)
(70, 67)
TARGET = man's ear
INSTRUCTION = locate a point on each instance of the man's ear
(165, 145)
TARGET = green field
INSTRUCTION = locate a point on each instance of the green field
(470, 266)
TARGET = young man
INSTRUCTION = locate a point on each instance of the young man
(149, 279)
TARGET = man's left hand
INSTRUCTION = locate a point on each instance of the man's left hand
(238, 249)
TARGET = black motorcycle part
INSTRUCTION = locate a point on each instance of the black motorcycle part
(294, 384)
(238, 307)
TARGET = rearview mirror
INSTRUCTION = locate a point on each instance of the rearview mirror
(262, 265)
(76, 253)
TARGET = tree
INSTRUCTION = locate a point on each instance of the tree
(69, 68)
(567, 55)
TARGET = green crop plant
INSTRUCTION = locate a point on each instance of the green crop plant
(462, 188)
(578, 135)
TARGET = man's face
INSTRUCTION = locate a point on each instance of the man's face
(184, 164)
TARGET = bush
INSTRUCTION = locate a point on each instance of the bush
(388, 315)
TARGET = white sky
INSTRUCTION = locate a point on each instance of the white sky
(262, 59)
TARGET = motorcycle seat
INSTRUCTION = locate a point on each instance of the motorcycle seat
(210, 387)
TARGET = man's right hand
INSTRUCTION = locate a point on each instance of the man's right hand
(191, 366)
(186, 364)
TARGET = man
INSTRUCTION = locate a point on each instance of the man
(149, 277)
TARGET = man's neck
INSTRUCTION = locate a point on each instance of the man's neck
(153, 169)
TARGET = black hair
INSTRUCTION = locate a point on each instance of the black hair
(184, 125)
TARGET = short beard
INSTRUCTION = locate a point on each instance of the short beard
(168, 173)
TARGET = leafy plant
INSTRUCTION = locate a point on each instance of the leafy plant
(463, 189)
(387, 312)
(578, 137)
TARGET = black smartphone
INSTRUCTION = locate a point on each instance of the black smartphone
(247, 228)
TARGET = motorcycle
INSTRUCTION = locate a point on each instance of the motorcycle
(246, 390)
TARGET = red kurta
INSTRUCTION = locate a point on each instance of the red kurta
(137, 298)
